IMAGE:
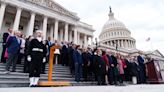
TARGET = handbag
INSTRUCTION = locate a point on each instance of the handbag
(6, 51)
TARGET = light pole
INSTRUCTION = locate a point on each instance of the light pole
(96, 42)
(114, 42)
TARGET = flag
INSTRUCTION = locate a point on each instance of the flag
(148, 39)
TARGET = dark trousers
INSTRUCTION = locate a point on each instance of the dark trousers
(64, 59)
(3, 59)
(35, 66)
(43, 67)
(12, 59)
(56, 58)
(121, 78)
(26, 65)
(78, 71)
(101, 79)
(85, 72)
(20, 57)
(112, 75)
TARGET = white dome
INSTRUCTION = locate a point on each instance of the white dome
(115, 31)
(112, 23)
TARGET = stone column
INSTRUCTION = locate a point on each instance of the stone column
(118, 43)
(133, 44)
(66, 32)
(126, 44)
(75, 36)
(45, 27)
(111, 43)
(17, 19)
(85, 40)
(70, 36)
(2, 13)
(51, 32)
(78, 38)
(61, 34)
(56, 29)
(92, 41)
(129, 44)
(122, 44)
(31, 24)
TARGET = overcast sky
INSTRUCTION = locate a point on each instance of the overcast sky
(144, 18)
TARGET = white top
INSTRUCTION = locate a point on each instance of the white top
(22, 45)
(56, 51)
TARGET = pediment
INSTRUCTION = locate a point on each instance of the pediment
(51, 4)
(156, 52)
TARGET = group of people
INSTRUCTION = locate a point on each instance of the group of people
(103, 66)
(86, 64)
(33, 51)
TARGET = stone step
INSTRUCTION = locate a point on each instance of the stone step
(18, 78)
(21, 65)
(27, 74)
(7, 84)
(58, 67)
(26, 83)
(54, 71)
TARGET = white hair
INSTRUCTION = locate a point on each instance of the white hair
(39, 31)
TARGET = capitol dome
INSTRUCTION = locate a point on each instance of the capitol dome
(114, 33)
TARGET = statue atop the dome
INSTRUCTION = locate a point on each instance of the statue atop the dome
(110, 9)
(111, 14)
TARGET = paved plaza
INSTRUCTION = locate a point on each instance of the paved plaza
(130, 88)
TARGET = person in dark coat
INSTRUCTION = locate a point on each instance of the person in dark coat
(127, 70)
(142, 73)
(26, 62)
(37, 55)
(106, 61)
(45, 42)
(90, 70)
(64, 55)
(86, 64)
(77, 58)
(5, 36)
(114, 72)
(100, 67)
(70, 56)
(134, 69)
(13, 46)
(111, 70)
